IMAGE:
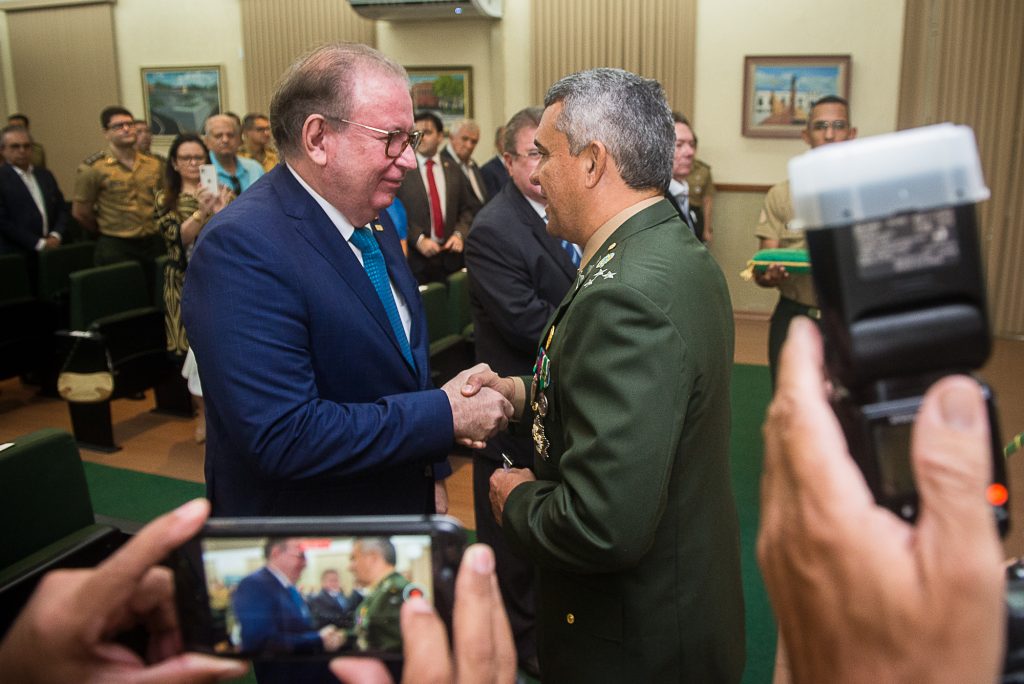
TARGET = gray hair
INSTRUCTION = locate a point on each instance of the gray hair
(627, 113)
(233, 120)
(320, 82)
(379, 545)
(470, 126)
(524, 118)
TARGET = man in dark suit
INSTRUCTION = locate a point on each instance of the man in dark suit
(517, 276)
(306, 323)
(629, 515)
(330, 606)
(437, 201)
(462, 140)
(274, 618)
(33, 215)
(494, 172)
(679, 188)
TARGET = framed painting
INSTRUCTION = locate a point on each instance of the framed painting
(778, 91)
(446, 91)
(179, 99)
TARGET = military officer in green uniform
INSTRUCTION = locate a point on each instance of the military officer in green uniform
(829, 122)
(702, 193)
(115, 195)
(378, 625)
(629, 512)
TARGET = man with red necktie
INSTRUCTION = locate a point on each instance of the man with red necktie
(439, 205)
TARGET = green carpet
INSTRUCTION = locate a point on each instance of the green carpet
(140, 497)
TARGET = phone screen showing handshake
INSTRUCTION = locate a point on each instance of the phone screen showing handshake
(312, 588)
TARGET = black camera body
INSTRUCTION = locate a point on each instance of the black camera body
(893, 243)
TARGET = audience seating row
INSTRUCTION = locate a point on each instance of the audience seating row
(47, 520)
(449, 326)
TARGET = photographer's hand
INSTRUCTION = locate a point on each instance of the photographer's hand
(859, 594)
(66, 632)
(484, 652)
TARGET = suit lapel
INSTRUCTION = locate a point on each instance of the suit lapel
(312, 223)
(539, 229)
(15, 181)
(452, 181)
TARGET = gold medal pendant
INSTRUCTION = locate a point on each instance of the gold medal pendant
(540, 440)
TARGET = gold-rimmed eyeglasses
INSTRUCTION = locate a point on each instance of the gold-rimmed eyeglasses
(837, 125)
(395, 142)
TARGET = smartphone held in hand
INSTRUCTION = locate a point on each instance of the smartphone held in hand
(312, 588)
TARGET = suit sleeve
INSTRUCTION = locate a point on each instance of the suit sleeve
(622, 403)
(501, 275)
(269, 624)
(10, 228)
(251, 327)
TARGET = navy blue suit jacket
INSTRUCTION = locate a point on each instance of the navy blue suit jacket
(518, 275)
(21, 224)
(270, 619)
(311, 407)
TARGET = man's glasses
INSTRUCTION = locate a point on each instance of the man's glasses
(123, 126)
(18, 146)
(837, 125)
(192, 160)
(532, 155)
(395, 142)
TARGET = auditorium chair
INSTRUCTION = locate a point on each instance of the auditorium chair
(47, 519)
(24, 335)
(115, 327)
(449, 351)
(459, 311)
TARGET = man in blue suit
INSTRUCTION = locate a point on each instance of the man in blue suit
(274, 618)
(33, 215)
(306, 322)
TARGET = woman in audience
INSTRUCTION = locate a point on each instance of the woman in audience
(182, 209)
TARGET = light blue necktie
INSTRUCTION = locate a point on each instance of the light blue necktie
(373, 262)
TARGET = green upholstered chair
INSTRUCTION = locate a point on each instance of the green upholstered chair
(449, 352)
(459, 312)
(24, 332)
(47, 519)
(112, 304)
(55, 265)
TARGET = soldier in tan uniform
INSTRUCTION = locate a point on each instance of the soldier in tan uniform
(828, 122)
(256, 143)
(115, 195)
(702, 192)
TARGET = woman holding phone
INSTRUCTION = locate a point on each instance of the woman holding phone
(182, 209)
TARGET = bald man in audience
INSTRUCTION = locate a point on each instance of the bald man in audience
(224, 138)
(462, 141)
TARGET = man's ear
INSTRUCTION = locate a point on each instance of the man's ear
(595, 162)
(314, 138)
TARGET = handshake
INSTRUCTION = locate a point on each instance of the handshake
(332, 638)
(481, 404)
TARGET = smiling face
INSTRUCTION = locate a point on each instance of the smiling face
(360, 180)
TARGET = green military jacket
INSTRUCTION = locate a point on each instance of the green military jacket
(378, 627)
(632, 521)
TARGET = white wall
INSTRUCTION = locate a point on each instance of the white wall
(871, 31)
(496, 50)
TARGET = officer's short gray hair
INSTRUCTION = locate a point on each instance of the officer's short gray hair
(627, 113)
(379, 545)
(320, 82)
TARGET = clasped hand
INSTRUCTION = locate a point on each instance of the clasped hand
(481, 405)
